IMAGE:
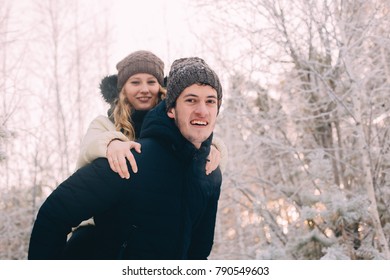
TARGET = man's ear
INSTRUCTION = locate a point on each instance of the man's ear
(171, 113)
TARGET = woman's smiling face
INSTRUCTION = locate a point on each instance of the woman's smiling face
(142, 90)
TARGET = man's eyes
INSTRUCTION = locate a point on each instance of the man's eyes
(210, 101)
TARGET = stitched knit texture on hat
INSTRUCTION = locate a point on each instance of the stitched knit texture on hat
(186, 72)
(140, 62)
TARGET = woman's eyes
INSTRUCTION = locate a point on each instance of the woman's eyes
(138, 82)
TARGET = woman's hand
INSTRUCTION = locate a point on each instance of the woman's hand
(117, 153)
(213, 160)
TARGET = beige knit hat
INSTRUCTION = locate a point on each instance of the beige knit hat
(140, 62)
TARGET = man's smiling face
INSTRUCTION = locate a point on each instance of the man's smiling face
(195, 113)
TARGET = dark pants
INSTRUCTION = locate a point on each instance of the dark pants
(82, 244)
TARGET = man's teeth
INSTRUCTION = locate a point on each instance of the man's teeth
(199, 122)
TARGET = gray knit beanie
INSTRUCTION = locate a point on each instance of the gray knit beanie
(186, 72)
(140, 62)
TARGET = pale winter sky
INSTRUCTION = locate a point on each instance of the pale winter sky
(161, 26)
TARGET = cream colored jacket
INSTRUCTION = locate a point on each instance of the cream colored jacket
(94, 144)
(101, 131)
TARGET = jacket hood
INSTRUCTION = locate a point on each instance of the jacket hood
(108, 88)
(158, 125)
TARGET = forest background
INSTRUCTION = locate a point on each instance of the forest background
(305, 115)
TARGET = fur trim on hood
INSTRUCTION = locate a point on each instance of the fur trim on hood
(109, 89)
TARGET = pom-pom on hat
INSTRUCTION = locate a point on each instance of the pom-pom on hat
(186, 72)
(140, 62)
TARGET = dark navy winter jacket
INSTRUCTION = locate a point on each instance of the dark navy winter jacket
(165, 211)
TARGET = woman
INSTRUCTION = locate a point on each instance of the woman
(139, 82)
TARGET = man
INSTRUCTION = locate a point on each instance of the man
(167, 210)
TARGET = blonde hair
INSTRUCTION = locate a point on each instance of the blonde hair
(123, 110)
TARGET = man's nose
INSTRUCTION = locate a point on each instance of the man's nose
(201, 109)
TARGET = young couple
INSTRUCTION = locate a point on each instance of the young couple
(167, 209)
